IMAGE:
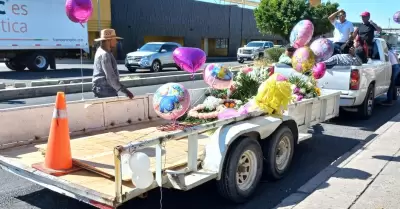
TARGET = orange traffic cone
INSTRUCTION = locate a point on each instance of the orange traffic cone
(58, 160)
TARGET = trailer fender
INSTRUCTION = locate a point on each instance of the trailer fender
(224, 136)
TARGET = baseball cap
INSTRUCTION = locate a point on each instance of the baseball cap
(365, 14)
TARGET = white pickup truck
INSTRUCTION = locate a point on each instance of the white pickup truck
(106, 132)
(253, 50)
(360, 85)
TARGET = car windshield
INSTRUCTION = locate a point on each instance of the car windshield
(255, 44)
(150, 47)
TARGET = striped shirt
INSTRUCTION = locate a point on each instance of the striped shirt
(105, 74)
(343, 60)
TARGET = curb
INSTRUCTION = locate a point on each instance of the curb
(308, 188)
(121, 62)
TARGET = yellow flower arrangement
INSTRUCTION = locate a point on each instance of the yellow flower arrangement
(274, 95)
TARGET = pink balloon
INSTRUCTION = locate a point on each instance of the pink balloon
(79, 11)
(396, 17)
(319, 70)
(228, 113)
(171, 101)
(322, 48)
(189, 59)
(217, 76)
(301, 33)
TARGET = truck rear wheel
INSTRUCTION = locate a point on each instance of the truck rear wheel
(365, 110)
(13, 65)
(242, 170)
(278, 153)
(38, 62)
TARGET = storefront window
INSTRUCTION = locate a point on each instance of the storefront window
(221, 43)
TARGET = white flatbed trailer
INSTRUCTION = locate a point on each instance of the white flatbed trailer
(103, 130)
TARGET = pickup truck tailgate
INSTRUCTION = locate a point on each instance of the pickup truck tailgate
(337, 77)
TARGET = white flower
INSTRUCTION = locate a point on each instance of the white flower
(293, 86)
(310, 95)
(302, 90)
(211, 102)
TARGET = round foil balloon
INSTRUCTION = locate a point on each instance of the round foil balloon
(319, 70)
(79, 11)
(171, 101)
(189, 59)
(322, 48)
(301, 33)
(217, 76)
(396, 17)
(303, 60)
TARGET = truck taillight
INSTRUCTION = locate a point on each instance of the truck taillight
(355, 80)
(271, 70)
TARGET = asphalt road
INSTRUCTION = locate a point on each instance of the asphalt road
(65, 71)
(330, 141)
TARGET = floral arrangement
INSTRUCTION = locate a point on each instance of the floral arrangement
(210, 108)
(246, 83)
(304, 87)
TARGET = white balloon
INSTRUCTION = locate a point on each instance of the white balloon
(139, 162)
(143, 179)
(125, 164)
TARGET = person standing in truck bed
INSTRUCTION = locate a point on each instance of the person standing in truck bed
(106, 81)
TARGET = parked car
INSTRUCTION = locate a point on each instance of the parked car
(253, 50)
(153, 55)
(360, 85)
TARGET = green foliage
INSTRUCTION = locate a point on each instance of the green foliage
(280, 16)
(273, 54)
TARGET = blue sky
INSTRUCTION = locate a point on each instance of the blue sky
(381, 10)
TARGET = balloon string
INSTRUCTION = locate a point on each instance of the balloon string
(82, 25)
(82, 74)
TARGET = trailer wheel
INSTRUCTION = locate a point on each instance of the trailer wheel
(278, 153)
(38, 62)
(13, 65)
(242, 170)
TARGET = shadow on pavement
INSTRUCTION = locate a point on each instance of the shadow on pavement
(11, 102)
(387, 158)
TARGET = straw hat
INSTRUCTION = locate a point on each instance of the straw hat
(107, 34)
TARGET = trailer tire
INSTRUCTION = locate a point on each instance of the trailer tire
(366, 109)
(243, 157)
(280, 147)
(13, 65)
(38, 62)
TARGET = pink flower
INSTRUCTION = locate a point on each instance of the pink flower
(247, 70)
(296, 90)
(299, 97)
(281, 78)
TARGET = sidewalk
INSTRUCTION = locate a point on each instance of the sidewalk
(85, 61)
(368, 177)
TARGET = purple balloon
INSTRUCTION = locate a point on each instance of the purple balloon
(189, 59)
(79, 11)
(396, 17)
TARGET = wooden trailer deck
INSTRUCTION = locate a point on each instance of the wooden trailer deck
(95, 153)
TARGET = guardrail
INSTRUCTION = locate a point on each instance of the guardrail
(86, 86)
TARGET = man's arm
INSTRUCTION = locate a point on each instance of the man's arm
(332, 17)
(377, 28)
(111, 77)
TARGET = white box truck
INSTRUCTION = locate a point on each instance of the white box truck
(33, 33)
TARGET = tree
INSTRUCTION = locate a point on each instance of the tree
(280, 16)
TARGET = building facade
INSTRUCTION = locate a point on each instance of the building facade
(93, 25)
(217, 29)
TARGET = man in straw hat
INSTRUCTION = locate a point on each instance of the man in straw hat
(106, 81)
